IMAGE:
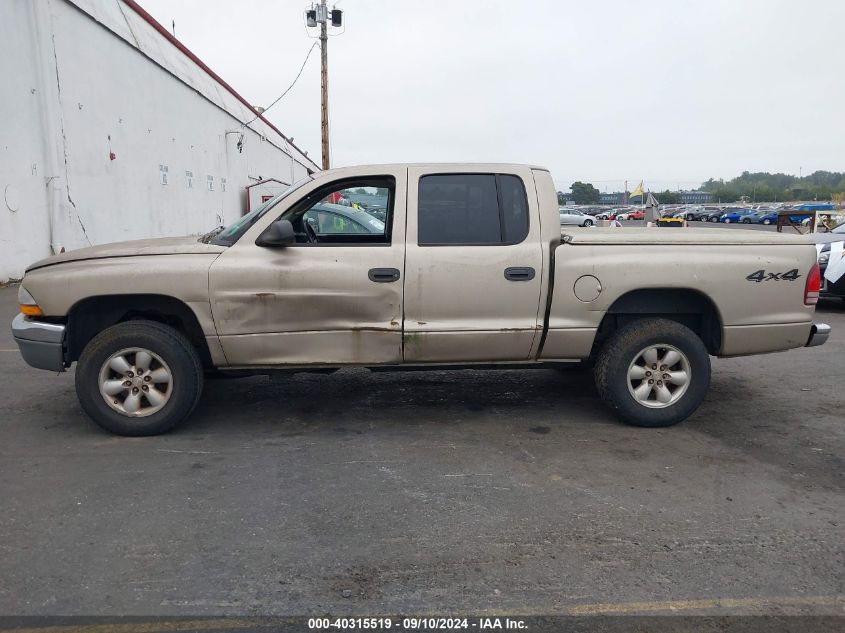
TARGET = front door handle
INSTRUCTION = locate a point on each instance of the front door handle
(383, 275)
(519, 273)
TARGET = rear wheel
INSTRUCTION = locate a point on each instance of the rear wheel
(653, 372)
(139, 378)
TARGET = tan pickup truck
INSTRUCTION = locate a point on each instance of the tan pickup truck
(414, 266)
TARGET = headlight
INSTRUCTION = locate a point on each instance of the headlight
(27, 304)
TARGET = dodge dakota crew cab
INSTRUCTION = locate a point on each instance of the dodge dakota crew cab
(456, 265)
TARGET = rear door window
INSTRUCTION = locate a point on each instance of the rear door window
(471, 210)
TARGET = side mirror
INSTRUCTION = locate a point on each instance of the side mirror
(280, 233)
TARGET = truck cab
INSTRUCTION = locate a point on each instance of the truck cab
(455, 274)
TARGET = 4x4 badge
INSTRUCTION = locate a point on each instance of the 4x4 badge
(762, 275)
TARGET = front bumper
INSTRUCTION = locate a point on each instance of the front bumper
(818, 334)
(41, 344)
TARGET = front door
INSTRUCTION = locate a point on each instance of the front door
(334, 297)
(473, 269)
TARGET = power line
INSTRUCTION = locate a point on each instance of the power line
(287, 90)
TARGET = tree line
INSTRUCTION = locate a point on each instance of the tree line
(762, 186)
(755, 186)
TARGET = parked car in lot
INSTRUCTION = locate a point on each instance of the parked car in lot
(571, 216)
(831, 288)
(734, 215)
(754, 216)
(770, 217)
(635, 214)
(675, 221)
(712, 216)
(328, 218)
(691, 215)
(821, 206)
(676, 213)
(469, 269)
(606, 215)
(700, 214)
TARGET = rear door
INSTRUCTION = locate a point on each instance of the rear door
(473, 266)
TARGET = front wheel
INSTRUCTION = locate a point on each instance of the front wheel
(767, 221)
(139, 378)
(588, 223)
(653, 372)
(727, 220)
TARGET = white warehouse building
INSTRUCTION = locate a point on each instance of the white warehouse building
(110, 129)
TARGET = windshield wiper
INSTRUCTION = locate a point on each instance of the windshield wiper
(205, 238)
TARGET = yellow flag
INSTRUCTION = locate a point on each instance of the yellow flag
(638, 191)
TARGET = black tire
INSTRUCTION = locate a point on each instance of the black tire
(588, 223)
(169, 344)
(767, 221)
(623, 348)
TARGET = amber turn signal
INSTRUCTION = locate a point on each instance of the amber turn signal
(30, 310)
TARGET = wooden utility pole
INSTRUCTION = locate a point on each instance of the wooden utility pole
(324, 85)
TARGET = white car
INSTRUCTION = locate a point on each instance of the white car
(578, 218)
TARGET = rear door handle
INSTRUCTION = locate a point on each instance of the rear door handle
(519, 273)
(383, 275)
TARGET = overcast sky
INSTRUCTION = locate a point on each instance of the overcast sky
(668, 91)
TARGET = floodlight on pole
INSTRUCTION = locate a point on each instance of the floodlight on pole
(320, 15)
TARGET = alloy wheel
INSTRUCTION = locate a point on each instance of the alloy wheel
(135, 382)
(659, 376)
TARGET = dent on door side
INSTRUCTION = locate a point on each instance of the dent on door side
(303, 289)
(252, 311)
(305, 306)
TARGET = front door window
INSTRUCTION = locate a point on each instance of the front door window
(350, 212)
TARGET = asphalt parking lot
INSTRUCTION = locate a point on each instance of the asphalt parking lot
(366, 493)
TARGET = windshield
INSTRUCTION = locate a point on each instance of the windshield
(234, 231)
